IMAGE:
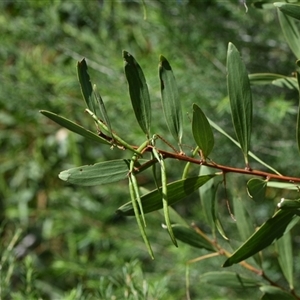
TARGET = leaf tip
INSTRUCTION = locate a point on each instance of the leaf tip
(64, 175)
(125, 54)
(227, 263)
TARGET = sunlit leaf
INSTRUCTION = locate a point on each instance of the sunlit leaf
(289, 29)
(240, 98)
(292, 10)
(289, 204)
(85, 84)
(283, 185)
(99, 173)
(207, 197)
(189, 236)
(74, 127)
(285, 257)
(287, 82)
(202, 131)
(229, 280)
(275, 293)
(170, 99)
(138, 91)
(177, 191)
(263, 237)
(256, 189)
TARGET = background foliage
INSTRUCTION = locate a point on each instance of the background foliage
(63, 241)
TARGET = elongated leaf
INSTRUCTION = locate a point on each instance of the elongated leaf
(275, 293)
(189, 236)
(99, 173)
(263, 237)
(298, 116)
(139, 217)
(244, 223)
(264, 78)
(202, 131)
(218, 128)
(289, 204)
(229, 280)
(263, 4)
(285, 257)
(170, 99)
(208, 201)
(164, 194)
(85, 84)
(287, 82)
(292, 10)
(102, 108)
(290, 31)
(256, 189)
(282, 185)
(207, 194)
(138, 91)
(240, 98)
(177, 191)
(74, 127)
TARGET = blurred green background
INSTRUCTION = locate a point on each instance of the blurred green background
(60, 241)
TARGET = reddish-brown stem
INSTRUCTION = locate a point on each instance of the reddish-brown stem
(225, 169)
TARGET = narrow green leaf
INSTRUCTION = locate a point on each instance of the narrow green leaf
(85, 84)
(244, 223)
(208, 201)
(282, 185)
(170, 99)
(298, 116)
(138, 91)
(240, 98)
(263, 237)
(218, 128)
(290, 30)
(135, 186)
(292, 10)
(189, 236)
(164, 195)
(275, 293)
(285, 257)
(229, 280)
(289, 204)
(256, 189)
(139, 218)
(99, 173)
(207, 194)
(116, 138)
(102, 108)
(287, 82)
(74, 127)
(177, 191)
(202, 131)
(264, 78)
(263, 5)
